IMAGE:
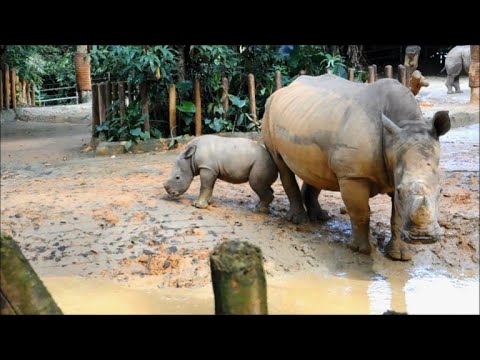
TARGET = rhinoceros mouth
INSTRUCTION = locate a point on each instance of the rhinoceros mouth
(418, 238)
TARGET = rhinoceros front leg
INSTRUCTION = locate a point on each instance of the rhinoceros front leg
(355, 195)
(297, 213)
(207, 181)
(396, 248)
(310, 199)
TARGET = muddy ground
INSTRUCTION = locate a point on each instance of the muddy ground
(76, 214)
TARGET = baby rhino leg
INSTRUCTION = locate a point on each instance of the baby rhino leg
(261, 178)
(207, 181)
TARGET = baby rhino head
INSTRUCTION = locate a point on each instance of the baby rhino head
(182, 173)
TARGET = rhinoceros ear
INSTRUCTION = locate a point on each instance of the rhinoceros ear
(441, 122)
(392, 128)
(190, 151)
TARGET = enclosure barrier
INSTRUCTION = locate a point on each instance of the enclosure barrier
(15, 90)
(21, 290)
(238, 279)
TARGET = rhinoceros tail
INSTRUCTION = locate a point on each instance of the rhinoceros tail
(442, 70)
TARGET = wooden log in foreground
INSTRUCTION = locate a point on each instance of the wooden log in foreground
(21, 290)
(238, 279)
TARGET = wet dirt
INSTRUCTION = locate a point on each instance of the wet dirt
(84, 221)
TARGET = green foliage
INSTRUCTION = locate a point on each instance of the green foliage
(42, 63)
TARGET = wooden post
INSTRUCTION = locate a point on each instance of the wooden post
(172, 109)
(198, 109)
(371, 74)
(7, 87)
(402, 75)
(121, 96)
(1, 90)
(225, 97)
(21, 290)
(251, 94)
(351, 74)
(13, 77)
(24, 91)
(130, 93)
(29, 94)
(95, 109)
(33, 93)
(114, 98)
(417, 81)
(408, 75)
(108, 100)
(388, 71)
(101, 103)
(412, 53)
(238, 279)
(474, 74)
(375, 72)
(278, 80)
(144, 99)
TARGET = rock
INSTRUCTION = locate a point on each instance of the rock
(171, 250)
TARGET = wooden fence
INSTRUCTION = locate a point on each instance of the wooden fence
(15, 90)
(105, 93)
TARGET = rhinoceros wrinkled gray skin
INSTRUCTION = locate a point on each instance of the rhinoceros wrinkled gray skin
(361, 140)
(234, 160)
(458, 58)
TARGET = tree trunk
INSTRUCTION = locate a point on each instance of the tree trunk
(181, 66)
(355, 55)
(82, 71)
(21, 290)
(238, 279)
(474, 74)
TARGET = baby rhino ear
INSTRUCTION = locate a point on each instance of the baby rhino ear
(190, 151)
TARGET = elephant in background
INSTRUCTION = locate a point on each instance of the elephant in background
(458, 58)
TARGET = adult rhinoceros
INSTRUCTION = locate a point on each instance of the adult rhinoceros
(361, 140)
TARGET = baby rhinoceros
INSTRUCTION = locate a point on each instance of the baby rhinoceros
(234, 160)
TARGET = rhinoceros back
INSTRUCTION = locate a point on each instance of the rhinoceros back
(325, 128)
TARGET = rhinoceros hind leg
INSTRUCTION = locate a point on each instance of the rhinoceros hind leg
(297, 213)
(207, 181)
(310, 199)
(456, 84)
(355, 195)
(449, 84)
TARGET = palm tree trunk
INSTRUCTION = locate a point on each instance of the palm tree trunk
(474, 74)
(82, 70)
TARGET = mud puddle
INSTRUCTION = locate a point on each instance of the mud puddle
(301, 293)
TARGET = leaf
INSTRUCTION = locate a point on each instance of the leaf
(156, 133)
(236, 101)
(145, 135)
(186, 106)
(240, 119)
(128, 145)
(136, 131)
(218, 124)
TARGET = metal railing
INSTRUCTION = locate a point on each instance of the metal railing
(44, 97)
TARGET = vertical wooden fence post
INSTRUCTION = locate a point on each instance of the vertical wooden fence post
(198, 109)
(144, 100)
(101, 102)
(108, 100)
(172, 109)
(114, 98)
(238, 279)
(402, 75)
(278, 80)
(95, 110)
(33, 93)
(251, 94)
(1, 89)
(225, 97)
(13, 77)
(7, 87)
(121, 96)
(371, 74)
(388, 71)
(351, 74)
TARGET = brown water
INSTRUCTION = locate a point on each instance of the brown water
(295, 294)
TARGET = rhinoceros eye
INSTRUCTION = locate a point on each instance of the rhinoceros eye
(177, 177)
